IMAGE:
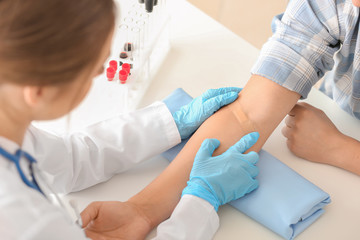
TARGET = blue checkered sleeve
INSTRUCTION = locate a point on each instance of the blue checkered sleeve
(305, 39)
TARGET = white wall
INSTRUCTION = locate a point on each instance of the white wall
(250, 19)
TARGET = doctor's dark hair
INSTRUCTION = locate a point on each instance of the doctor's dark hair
(46, 42)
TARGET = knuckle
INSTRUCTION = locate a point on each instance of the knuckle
(291, 145)
(287, 132)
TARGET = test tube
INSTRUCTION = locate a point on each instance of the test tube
(123, 34)
(146, 18)
(136, 43)
(162, 7)
(125, 97)
(110, 73)
(158, 14)
(123, 74)
(113, 64)
(143, 33)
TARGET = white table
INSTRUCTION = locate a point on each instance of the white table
(204, 55)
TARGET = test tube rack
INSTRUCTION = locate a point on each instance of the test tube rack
(141, 39)
(109, 98)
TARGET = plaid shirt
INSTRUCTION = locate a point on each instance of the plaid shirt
(312, 39)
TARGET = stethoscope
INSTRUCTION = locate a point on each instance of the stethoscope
(32, 183)
(16, 160)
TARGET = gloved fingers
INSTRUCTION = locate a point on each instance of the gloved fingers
(227, 90)
(253, 186)
(220, 91)
(246, 185)
(247, 163)
(244, 143)
(207, 148)
(251, 157)
(252, 170)
(215, 103)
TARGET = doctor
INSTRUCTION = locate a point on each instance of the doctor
(46, 70)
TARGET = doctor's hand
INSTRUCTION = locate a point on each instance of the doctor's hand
(189, 117)
(226, 177)
(114, 220)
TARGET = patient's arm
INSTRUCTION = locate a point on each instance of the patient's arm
(261, 106)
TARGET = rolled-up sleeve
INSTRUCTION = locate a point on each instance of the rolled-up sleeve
(305, 39)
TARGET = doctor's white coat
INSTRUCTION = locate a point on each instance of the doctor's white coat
(78, 161)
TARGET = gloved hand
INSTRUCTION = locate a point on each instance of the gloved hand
(226, 177)
(189, 117)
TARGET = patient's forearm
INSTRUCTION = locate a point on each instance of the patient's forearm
(261, 105)
(161, 196)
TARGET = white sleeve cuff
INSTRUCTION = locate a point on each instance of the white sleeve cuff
(193, 218)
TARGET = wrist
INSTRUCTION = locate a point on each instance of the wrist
(197, 189)
(338, 145)
(177, 116)
(144, 212)
(347, 154)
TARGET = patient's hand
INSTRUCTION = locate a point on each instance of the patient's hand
(311, 134)
(114, 220)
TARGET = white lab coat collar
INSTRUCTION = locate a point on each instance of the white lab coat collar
(11, 147)
(8, 145)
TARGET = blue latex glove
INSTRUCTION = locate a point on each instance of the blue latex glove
(226, 177)
(189, 117)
